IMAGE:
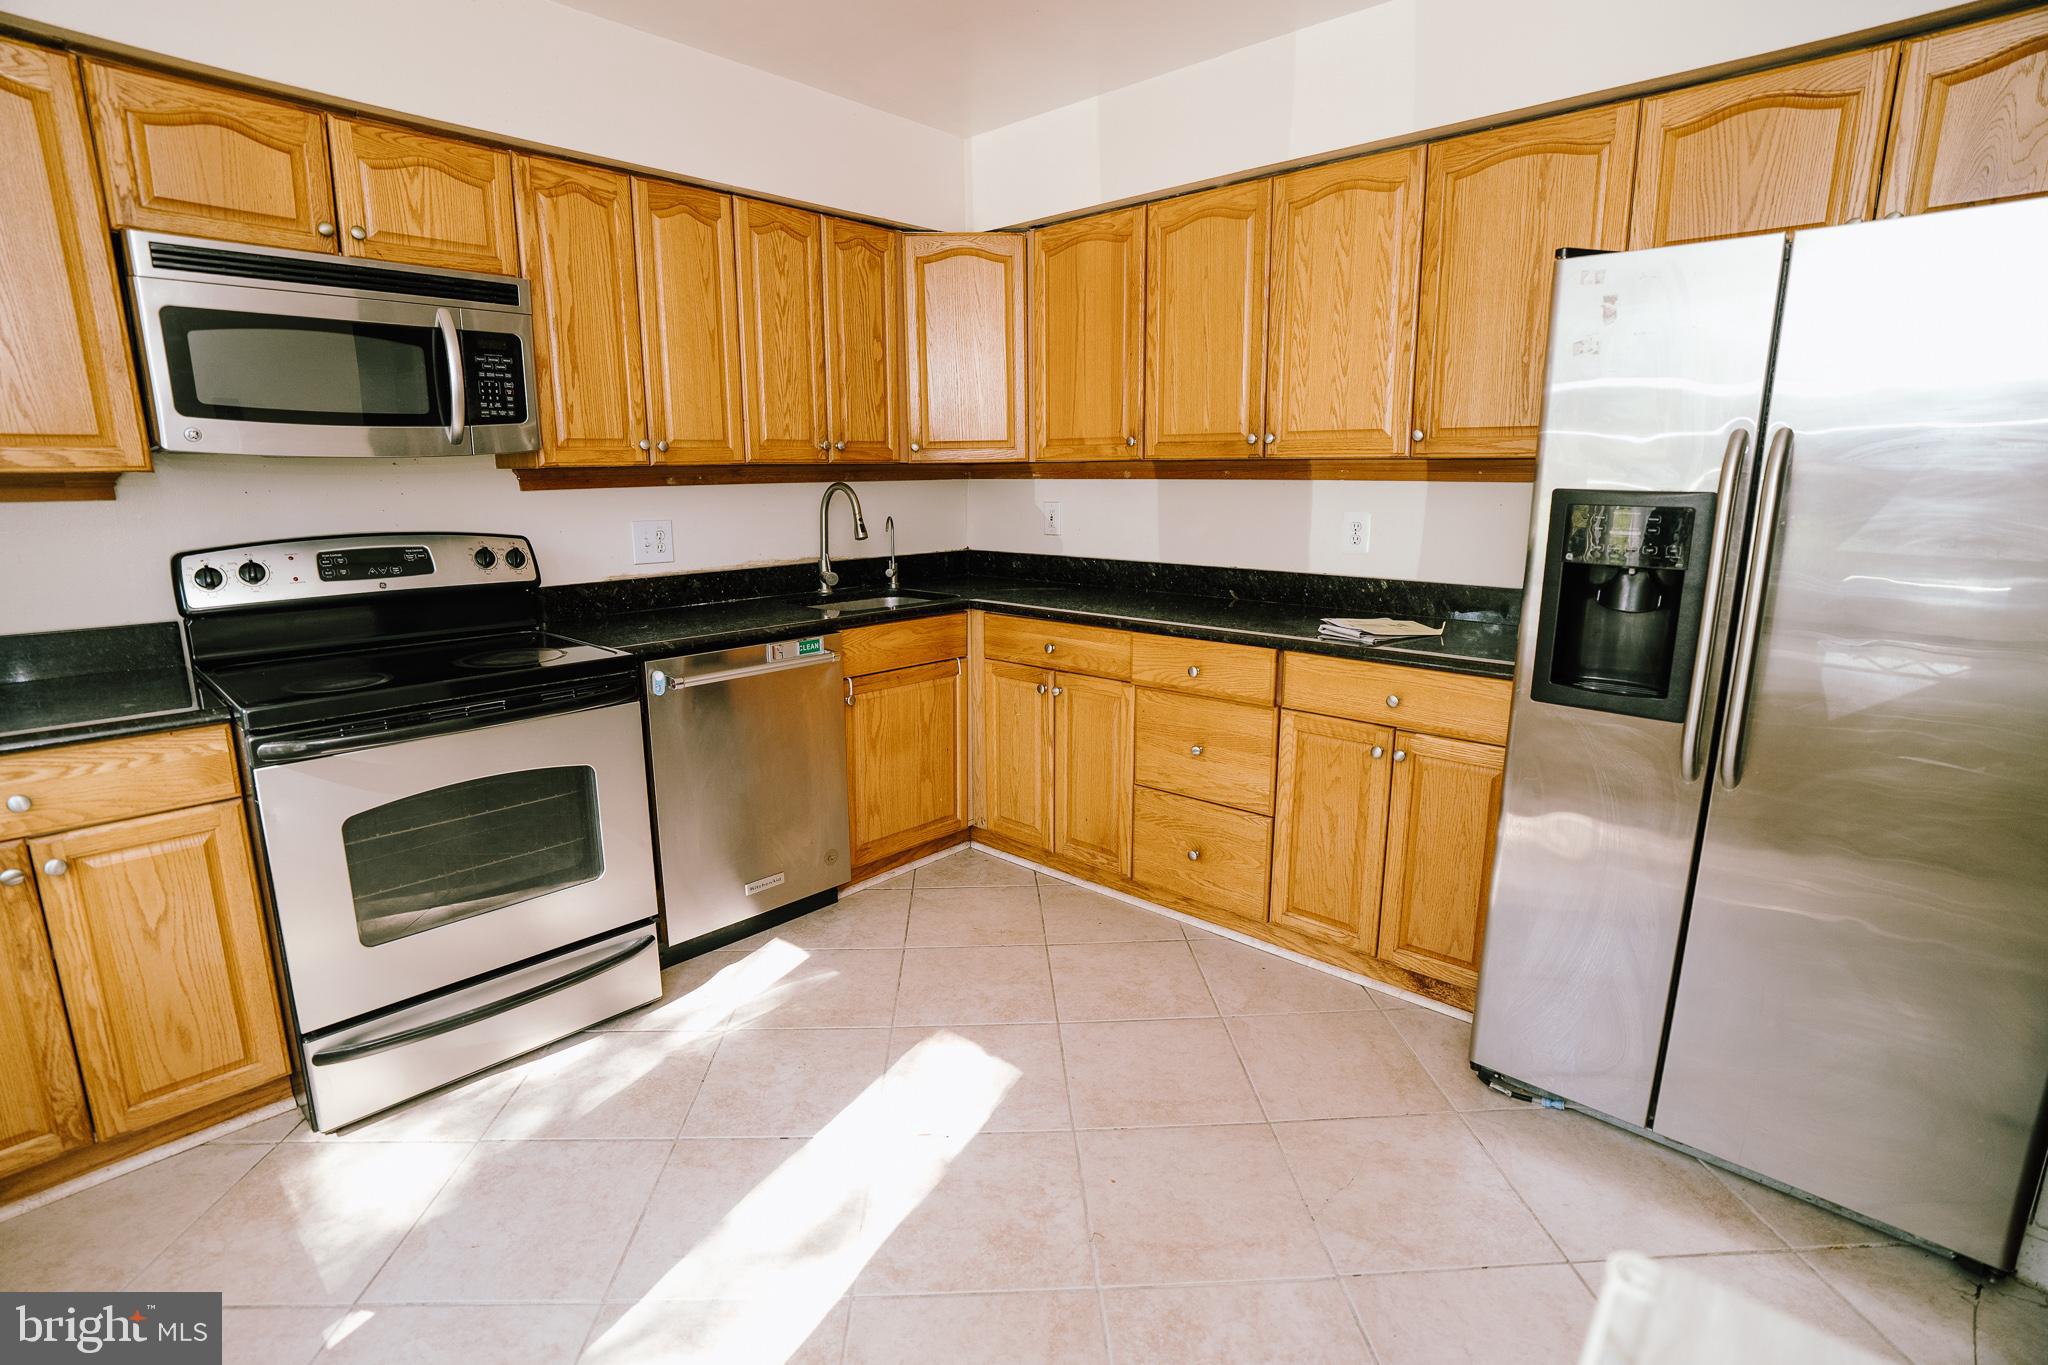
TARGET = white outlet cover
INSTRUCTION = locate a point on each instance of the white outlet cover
(654, 542)
(1355, 532)
(1049, 518)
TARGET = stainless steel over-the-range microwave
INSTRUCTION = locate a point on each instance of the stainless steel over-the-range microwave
(253, 350)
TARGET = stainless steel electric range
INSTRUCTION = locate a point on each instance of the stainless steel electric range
(452, 803)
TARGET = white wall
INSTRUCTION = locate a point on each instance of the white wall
(115, 557)
(1441, 532)
(1401, 67)
(545, 73)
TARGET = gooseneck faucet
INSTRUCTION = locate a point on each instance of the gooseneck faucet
(828, 580)
(889, 525)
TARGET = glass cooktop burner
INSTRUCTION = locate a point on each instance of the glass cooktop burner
(337, 682)
(511, 658)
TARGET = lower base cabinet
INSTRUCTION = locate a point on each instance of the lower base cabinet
(42, 1104)
(1443, 808)
(1092, 723)
(1330, 802)
(1201, 854)
(906, 748)
(1016, 753)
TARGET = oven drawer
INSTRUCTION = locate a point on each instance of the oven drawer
(357, 1071)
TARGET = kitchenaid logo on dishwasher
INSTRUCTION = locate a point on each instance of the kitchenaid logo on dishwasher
(764, 883)
(169, 1329)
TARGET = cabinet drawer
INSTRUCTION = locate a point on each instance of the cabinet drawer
(112, 779)
(1055, 644)
(903, 644)
(1232, 852)
(1454, 704)
(1219, 751)
(1237, 672)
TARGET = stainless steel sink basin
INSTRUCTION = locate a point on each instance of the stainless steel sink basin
(883, 602)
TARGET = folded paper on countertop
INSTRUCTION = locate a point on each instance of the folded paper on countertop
(1372, 629)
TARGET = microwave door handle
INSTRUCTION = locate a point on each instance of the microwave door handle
(458, 382)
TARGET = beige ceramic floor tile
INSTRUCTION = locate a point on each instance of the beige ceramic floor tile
(276, 1128)
(1510, 1315)
(1250, 980)
(1598, 1189)
(100, 1237)
(2012, 1324)
(1002, 1212)
(276, 1336)
(1781, 1280)
(1074, 914)
(974, 986)
(975, 917)
(309, 1224)
(1798, 1222)
(608, 1085)
(1170, 1205)
(1348, 1064)
(530, 1333)
(873, 918)
(1054, 1327)
(785, 1082)
(535, 1221)
(1297, 1322)
(460, 1113)
(1444, 1047)
(830, 988)
(1923, 1304)
(1156, 1073)
(752, 1332)
(971, 867)
(1127, 981)
(1028, 1066)
(1410, 1194)
(699, 993)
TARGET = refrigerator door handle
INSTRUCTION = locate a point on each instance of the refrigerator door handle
(1770, 490)
(1710, 604)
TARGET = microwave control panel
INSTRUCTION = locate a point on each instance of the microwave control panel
(496, 378)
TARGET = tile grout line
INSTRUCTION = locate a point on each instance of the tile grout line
(1513, 1188)
(193, 1222)
(625, 1246)
(425, 1205)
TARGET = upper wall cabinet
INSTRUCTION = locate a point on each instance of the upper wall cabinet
(782, 331)
(1088, 337)
(1792, 148)
(689, 322)
(1971, 124)
(1499, 206)
(189, 158)
(863, 340)
(60, 311)
(423, 200)
(577, 241)
(964, 335)
(1205, 323)
(1340, 353)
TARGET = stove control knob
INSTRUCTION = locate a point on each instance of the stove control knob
(485, 557)
(207, 577)
(251, 572)
(515, 558)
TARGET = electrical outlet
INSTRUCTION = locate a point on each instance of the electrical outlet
(654, 542)
(1049, 518)
(1357, 529)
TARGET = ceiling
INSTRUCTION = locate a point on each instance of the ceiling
(966, 66)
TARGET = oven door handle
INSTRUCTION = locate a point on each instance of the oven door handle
(289, 750)
(349, 1052)
(458, 382)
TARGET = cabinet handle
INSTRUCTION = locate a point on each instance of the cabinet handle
(1194, 670)
(324, 229)
(56, 867)
(1251, 438)
(358, 233)
(1130, 440)
(849, 691)
(645, 444)
(19, 804)
(1400, 755)
(1415, 435)
(12, 876)
(1195, 750)
(1378, 752)
(1392, 700)
(661, 446)
(1194, 855)
(824, 445)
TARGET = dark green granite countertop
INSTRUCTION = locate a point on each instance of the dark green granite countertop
(66, 687)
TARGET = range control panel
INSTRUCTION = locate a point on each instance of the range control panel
(278, 571)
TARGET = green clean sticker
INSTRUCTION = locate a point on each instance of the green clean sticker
(811, 644)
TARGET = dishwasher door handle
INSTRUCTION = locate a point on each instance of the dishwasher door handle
(751, 670)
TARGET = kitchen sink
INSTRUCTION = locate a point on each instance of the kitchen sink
(881, 602)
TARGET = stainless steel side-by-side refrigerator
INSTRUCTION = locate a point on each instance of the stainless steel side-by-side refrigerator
(1772, 872)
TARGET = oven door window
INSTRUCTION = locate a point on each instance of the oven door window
(444, 855)
(307, 371)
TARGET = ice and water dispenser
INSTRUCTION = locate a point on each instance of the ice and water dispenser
(1622, 584)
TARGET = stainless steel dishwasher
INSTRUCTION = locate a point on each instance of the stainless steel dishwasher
(747, 751)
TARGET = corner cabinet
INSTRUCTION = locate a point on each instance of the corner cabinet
(62, 316)
(963, 327)
(1498, 207)
(1971, 122)
(1205, 323)
(1087, 337)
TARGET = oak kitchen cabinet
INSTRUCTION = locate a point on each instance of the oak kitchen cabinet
(906, 735)
(82, 414)
(1444, 806)
(138, 969)
(963, 325)
(863, 341)
(1497, 208)
(1793, 147)
(1331, 793)
(1970, 125)
(1205, 323)
(1087, 337)
(689, 322)
(202, 160)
